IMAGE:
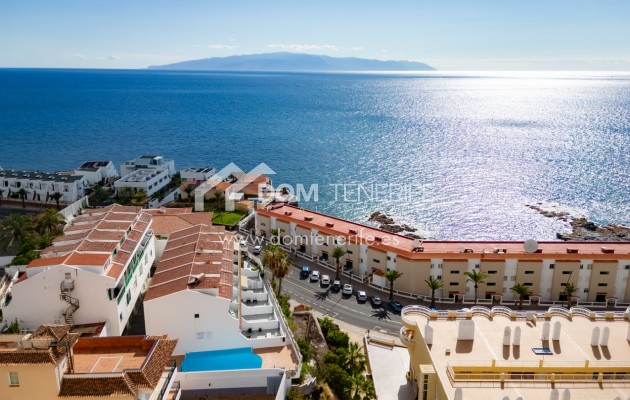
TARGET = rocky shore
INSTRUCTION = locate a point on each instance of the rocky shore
(387, 223)
(583, 230)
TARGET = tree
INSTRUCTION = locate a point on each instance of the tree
(275, 235)
(282, 269)
(189, 189)
(434, 284)
(49, 222)
(337, 253)
(522, 291)
(13, 229)
(56, 196)
(352, 359)
(271, 257)
(124, 194)
(476, 277)
(569, 289)
(362, 388)
(139, 198)
(218, 199)
(391, 276)
(326, 324)
(22, 194)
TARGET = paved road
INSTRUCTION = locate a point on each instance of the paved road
(344, 308)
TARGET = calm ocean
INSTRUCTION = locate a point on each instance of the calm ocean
(456, 155)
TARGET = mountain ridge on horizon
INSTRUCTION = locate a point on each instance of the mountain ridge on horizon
(287, 61)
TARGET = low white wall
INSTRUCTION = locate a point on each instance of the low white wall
(5, 260)
(227, 379)
(74, 209)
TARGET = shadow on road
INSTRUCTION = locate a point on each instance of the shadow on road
(380, 313)
(322, 295)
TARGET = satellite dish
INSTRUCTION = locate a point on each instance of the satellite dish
(530, 246)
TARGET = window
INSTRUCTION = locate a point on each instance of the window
(454, 283)
(455, 271)
(492, 272)
(128, 297)
(389, 258)
(120, 316)
(14, 379)
(552, 266)
(439, 277)
(585, 290)
(196, 315)
(602, 284)
(566, 272)
(529, 272)
(528, 284)
(376, 260)
(476, 265)
(349, 251)
(68, 275)
(491, 284)
(604, 272)
(505, 277)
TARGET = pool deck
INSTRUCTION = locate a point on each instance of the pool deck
(278, 357)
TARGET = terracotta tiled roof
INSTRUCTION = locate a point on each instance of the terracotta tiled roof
(167, 211)
(42, 262)
(58, 335)
(87, 259)
(203, 252)
(86, 386)
(54, 332)
(97, 247)
(165, 224)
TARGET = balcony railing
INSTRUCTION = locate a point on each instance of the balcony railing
(166, 388)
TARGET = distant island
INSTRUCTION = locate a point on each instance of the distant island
(293, 62)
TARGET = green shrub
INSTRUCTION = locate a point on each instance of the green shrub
(337, 339)
(338, 380)
(331, 358)
(327, 325)
(305, 349)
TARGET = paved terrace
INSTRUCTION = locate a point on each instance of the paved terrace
(572, 352)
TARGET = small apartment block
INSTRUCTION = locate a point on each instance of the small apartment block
(54, 363)
(599, 270)
(95, 272)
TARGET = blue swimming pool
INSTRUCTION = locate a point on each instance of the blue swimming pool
(219, 360)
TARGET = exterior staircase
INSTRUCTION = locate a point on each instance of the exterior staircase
(73, 303)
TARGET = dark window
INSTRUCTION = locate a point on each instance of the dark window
(376, 261)
(454, 271)
(552, 266)
(604, 272)
(529, 272)
(528, 284)
(492, 272)
(602, 284)
(566, 272)
(454, 283)
(491, 284)
(196, 315)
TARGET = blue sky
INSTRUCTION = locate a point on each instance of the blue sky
(448, 34)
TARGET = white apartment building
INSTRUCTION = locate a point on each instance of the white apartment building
(40, 186)
(147, 180)
(157, 163)
(197, 174)
(195, 296)
(98, 172)
(95, 272)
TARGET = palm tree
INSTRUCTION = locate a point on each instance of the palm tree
(218, 195)
(13, 229)
(139, 198)
(434, 284)
(569, 289)
(22, 193)
(476, 277)
(189, 189)
(337, 253)
(352, 359)
(49, 222)
(362, 388)
(271, 256)
(522, 291)
(56, 196)
(391, 276)
(275, 235)
(282, 269)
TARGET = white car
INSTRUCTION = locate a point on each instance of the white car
(325, 281)
(347, 289)
(257, 250)
(243, 244)
(361, 296)
(315, 276)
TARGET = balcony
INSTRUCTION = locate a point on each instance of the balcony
(167, 388)
(407, 336)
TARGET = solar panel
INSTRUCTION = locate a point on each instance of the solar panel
(542, 351)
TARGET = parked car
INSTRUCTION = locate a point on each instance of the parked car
(325, 281)
(257, 250)
(361, 296)
(305, 272)
(336, 286)
(395, 306)
(315, 276)
(347, 289)
(376, 301)
(243, 244)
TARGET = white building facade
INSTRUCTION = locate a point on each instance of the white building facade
(95, 272)
(40, 186)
